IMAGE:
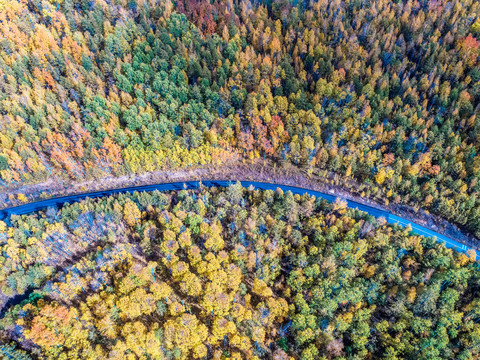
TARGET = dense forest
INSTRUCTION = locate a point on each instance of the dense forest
(382, 93)
(230, 273)
(385, 92)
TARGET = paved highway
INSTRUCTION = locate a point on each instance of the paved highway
(393, 219)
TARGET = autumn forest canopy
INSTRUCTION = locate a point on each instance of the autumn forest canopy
(230, 273)
(383, 96)
(385, 93)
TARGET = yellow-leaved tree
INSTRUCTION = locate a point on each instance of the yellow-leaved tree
(131, 213)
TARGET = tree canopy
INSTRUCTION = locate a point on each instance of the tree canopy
(384, 92)
(230, 274)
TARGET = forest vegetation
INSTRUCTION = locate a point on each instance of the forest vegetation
(384, 92)
(231, 273)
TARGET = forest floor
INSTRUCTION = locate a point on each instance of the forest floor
(243, 170)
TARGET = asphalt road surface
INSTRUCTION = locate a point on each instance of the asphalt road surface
(374, 211)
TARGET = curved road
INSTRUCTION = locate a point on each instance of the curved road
(393, 219)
